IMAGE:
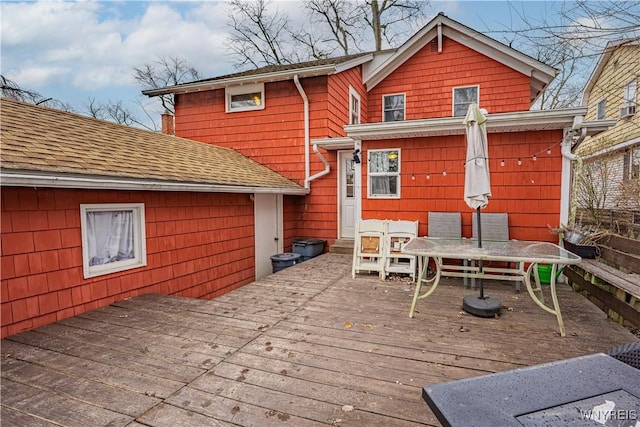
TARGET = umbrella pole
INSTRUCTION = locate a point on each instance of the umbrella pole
(480, 305)
(480, 245)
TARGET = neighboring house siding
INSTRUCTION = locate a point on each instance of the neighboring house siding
(620, 69)
(529, 193)
(428, 78)
(198, 245)
(607, 149)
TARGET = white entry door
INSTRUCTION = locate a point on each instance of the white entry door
(347, 194)
(268, 231)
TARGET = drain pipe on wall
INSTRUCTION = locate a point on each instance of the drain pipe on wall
(307, 178)
(569, 192)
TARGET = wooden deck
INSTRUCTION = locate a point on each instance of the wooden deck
(308, 346)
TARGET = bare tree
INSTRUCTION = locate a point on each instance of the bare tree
(391, 20)
(165, 71)
(261, 38)
(258, 38)
(570, 40)
(12, 90)
(115, 112)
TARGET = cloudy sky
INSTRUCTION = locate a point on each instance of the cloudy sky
(76, 50)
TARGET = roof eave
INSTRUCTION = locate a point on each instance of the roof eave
(319, 70)
(23, 178)
(496, 123)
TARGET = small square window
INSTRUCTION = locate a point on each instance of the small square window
(113, 238)
(463, 97)
(393, 107)
(244, 98)
(601, 109)
(384, 173)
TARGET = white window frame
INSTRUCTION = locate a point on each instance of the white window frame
(453, 99)
(601, 109)
(404, 107)
(139, 239)
(628, 95)
(354, 96)
(230, 92)
(371, 175)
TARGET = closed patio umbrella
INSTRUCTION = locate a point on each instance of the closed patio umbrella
(477, 190)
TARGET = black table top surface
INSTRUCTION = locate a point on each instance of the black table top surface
(590, 390)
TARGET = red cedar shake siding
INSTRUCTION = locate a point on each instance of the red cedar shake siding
(428, 79)
(530, 192)
(198, 245)
(274, 137)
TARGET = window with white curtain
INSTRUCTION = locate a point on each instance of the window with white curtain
(113, 238)
(384, 173)
(463, 97)
(393, 107)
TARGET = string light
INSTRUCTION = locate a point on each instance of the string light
(535, 157)
(428, 175)
(519, 162)
(502, 162)
(444, 172)
(548, 150)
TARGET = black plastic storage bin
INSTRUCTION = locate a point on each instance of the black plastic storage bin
(308, 248)
(282, 261)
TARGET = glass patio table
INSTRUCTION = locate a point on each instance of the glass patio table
(523, 255)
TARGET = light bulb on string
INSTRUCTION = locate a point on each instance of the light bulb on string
(428, 175)
(502, 162)
(444, 172)
(548, 150)
(519, 162)
(535, 157)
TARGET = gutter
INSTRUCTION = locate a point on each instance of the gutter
(19, 179)
(307, 166)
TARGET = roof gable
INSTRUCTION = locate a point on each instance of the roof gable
(442, 26)
(606, 55)
(43, 141)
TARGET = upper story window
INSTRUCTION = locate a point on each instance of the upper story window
(601, 109)
(113, 238)
(463, 97)
(384, 173)
(393, 107)
(244, 98)
(354, 106)
(629, 105)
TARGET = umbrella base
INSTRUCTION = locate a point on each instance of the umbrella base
(481, 307)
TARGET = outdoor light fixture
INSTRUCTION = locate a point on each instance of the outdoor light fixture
(356, 157)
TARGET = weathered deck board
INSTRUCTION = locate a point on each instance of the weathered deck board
(299, 348)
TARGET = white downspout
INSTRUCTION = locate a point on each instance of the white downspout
(305, 100)
(567, 209)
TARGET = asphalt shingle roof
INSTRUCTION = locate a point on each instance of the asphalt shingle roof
(40, 139)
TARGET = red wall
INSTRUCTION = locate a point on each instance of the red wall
(429, 77)
(274, 137)
(198, 245)
(529, 193)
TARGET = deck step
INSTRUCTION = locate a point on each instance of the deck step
(342, 246)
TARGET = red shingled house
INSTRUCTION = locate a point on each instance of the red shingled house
(380, 135)
(375, 135)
